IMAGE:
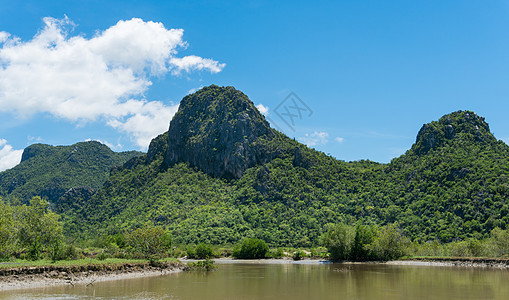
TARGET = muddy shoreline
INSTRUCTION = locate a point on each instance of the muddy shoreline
(85, 275)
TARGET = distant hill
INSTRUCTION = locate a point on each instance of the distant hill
(51, 171)
(221, 174)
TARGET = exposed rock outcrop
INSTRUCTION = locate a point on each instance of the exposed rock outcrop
(464, 125)
(220, 131)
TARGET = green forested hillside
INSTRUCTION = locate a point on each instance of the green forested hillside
(50, 171)
(452, 184)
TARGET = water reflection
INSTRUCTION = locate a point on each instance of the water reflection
(301, 281)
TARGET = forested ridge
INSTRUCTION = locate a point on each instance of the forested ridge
(50, 171)
(452, 184)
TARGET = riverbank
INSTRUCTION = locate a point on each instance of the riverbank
(475, 262)
(13, 278)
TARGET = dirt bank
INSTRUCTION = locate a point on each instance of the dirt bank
(32, 277)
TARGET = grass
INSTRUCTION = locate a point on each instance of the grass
(78, 262)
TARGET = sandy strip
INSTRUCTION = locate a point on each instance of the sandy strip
(16, 282)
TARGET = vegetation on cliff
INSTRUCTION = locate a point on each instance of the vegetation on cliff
(51, 171)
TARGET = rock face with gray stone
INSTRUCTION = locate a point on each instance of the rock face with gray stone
(220, 131)
(465, 125)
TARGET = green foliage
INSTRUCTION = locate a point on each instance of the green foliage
(276, 253)
(365, 242)
(7, 230)
(388, 243)
(298, 255)
(251, 248)
(338, 240)
(450, 187)
(39, 228)
(203, 251)
(49, 171)
(103, 255)
(202, 265)
(455, 190)
(500, 240)
(149, 242)
(364, 237)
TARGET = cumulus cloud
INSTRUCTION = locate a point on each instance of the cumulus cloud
(314, 139)
(339, 139)
(192, 63)
(99, 78)
(8, 156)
(263, 109)
(152, 119)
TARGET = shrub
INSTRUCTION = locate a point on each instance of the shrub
(149, 242)
(251, 249)
(364, 236)
(388, 244)
(298, 255)
(203, 251)
(365, 243)
(203, 265)
(338, 240)
(102, 256)
(500, 240)
(276, 253)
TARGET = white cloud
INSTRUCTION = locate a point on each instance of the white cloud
(314, 139)
(103, 77)
(193, 90)
(339, 139)
(263, 109)
(110, 145)
(8, 156)
(192, 63)
(34, 139)
(153, 118)
(3, 36)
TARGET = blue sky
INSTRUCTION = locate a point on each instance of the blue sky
(371, 72)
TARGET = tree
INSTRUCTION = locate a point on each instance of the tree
(149, 242)
(251, 249)
(7, 230)
(389, 243)
(338, 241)
(364, 236)
(203, 251)
(39, 228)
(501, 240)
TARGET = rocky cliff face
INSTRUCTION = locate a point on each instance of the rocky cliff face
(220, 131)
(459, 125)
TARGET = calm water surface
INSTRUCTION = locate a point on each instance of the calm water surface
(296, 281)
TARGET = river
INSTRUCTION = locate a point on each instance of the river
(296, 281)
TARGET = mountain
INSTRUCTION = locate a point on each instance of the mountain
(220, 131)
(54, 171)
(454, 181)
(221, 174)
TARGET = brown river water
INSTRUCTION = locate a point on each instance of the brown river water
(295, 281)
